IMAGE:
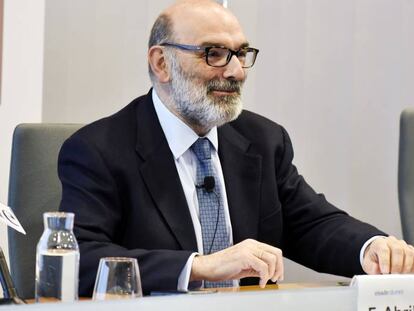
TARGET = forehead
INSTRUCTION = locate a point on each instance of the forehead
(212, 25)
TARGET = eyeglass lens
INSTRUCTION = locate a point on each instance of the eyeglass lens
(218, 57)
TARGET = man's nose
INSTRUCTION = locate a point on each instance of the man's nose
(234, 70)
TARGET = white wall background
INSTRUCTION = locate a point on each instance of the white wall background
(22, 76)
(335, 73)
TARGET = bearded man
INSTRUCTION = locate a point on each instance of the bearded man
(199, 191)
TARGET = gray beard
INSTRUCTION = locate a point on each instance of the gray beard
(195, 104)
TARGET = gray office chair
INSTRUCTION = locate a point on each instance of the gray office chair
(406, 174)
(34, 188)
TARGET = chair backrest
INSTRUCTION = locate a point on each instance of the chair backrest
(34, 188)
(406, 174)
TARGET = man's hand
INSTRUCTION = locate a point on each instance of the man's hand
(388, 255)
(246, 259)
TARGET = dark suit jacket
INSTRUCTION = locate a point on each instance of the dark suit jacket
(119, 178)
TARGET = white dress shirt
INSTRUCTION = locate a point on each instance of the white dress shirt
(180, 138)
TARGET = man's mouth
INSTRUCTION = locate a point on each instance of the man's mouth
(225, 92)
(227, 88)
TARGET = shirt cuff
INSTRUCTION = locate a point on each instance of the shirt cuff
(364, 247)
(184, 277)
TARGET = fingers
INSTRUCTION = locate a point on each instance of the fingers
(274, 262)
(280, 271)
(397, 257)
(261, 267)
(270, 262)
(276, 253)
(274, 265)
(245, 259)
(383, 253)
(408, 266)
(271, 256)
(389, 255)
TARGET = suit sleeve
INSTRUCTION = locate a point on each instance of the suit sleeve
(316, 233)
(89, 190)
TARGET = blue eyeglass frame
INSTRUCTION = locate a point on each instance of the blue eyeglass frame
(206, 49)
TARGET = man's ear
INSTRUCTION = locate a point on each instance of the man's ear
(156, 59)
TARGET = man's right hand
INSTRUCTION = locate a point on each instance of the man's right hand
(249, 258)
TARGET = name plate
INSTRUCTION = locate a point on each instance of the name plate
(391, 292)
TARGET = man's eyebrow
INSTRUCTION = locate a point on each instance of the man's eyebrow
(210, 43)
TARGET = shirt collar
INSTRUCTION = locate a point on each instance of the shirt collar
(180, 136)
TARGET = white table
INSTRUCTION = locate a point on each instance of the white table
(338, 298)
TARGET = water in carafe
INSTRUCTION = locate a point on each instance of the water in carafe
(57, 260)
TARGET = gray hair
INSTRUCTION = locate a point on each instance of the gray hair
(161, 32)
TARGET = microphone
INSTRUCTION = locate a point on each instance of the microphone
(208, 185)
(9, 291)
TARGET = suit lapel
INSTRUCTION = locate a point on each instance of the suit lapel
(242, 176)
(160, 175)
(241, 170)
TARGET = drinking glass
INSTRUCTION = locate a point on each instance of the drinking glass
(117, 278)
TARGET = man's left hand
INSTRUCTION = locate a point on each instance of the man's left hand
(388, 255)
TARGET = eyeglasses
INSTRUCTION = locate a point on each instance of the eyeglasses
(220, 56)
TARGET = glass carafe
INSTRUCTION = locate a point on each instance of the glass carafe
(57, 259)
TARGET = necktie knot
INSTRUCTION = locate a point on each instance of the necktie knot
(202, 149)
